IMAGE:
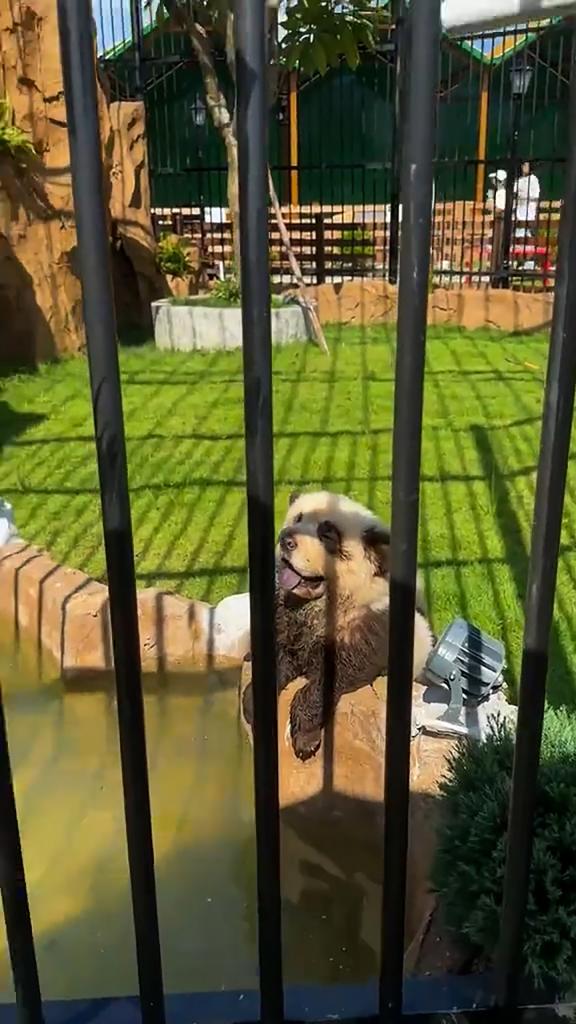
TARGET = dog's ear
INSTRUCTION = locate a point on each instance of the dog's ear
(377, 544)
(294, 495)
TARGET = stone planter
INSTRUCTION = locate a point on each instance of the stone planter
(192, 325)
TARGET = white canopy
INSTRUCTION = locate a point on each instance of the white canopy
(475, 15)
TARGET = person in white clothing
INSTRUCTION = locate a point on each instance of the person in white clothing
(526, 200)
(496, 196)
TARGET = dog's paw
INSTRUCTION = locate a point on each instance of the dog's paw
(306, 744)
(306, 740)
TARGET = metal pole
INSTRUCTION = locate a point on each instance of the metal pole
(510, 182)
(15, 896)
(417, 156)
(548, 508)
(137, 42)
(396, 141)
(78, 63)
(252, 125)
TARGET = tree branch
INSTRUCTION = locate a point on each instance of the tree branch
(303, 298)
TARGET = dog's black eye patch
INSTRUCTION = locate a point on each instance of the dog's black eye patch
(377, 544)
(330, 536)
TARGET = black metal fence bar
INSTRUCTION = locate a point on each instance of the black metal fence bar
(252, 126)
(548, 508)
(394, 231)
(15, 895)
(77, 46)
(423, 26)
(136, 26)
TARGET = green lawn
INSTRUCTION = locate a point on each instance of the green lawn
(333, 429)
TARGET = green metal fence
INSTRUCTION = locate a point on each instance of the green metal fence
(334, 139)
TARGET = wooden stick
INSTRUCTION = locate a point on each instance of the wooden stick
(302, 296)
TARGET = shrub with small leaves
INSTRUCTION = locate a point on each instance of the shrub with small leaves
(13, 141)
(469, 863)
(356, 245)
(172, 258)
(227, 291)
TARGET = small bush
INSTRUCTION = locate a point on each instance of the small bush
(356, 245)
(13, 141)
(172, 258)
(469, 865)
(227, 291)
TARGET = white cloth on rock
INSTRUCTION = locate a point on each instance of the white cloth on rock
(8, 531)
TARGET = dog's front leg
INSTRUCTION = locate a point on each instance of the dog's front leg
(307, 716)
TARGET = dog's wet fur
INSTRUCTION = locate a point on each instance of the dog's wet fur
(332, 609)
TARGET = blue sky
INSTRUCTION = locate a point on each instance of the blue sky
(112, 19)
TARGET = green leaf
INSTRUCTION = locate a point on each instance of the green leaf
(349, 46)
(364, 33)
(291, 21)
(331, 49)
(307, 63)
(292, 55)
(161, 16)
(318, 56)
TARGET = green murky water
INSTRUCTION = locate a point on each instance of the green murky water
(64, 748)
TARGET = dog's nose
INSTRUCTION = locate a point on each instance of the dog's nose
(287, 540)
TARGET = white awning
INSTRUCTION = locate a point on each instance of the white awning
(474, 15)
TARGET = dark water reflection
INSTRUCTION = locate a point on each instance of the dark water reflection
(64, 747)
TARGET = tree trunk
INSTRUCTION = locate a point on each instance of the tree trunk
(234, 200)
(302, 297)
(218, 110)
(224, 124)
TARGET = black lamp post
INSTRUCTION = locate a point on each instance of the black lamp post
(520, 77)
(198, 114)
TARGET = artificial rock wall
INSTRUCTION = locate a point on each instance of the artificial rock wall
(40, 296)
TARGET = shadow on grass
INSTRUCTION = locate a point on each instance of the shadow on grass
(332, 429)
(13, 422)
(517, 558)
(134, 337)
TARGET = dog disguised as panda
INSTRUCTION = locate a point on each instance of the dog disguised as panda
(332, 608)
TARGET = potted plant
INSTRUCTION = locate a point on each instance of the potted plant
(213, 320)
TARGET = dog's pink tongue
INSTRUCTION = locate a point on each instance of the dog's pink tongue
(287, 578)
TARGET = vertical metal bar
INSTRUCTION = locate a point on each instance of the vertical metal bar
(508, 225)
(396, 142)
(138, 44)
(78, 63)
(417, 156)
(252, 122)
(548, 508)
(15, 895)
(320, 247)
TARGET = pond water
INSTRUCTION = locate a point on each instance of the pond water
(65, 757)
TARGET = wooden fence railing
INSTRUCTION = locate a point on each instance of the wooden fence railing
(335, 242)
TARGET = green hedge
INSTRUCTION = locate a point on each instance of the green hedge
(469, 865)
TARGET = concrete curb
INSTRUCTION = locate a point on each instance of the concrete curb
(66, 613)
